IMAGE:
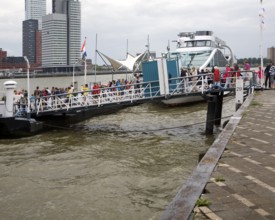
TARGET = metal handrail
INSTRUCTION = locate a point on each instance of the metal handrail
(123, 93)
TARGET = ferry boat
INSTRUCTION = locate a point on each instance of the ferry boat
(201, 49)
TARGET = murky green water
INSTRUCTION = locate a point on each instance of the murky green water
(120, 166)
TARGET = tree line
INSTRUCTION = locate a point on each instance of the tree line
(254, 62)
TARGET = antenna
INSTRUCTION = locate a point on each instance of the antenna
(95, 54)
(148, 43)
(127, 48)
(148, 46)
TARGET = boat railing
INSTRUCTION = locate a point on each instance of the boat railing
(120, 94)
(190, 84)
(97, 97)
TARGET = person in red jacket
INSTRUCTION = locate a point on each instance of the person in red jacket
(95, 89)
(226, 76)
(217, 76)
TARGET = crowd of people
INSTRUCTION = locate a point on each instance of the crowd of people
(227, 78)
(215, 77)
(116, 87)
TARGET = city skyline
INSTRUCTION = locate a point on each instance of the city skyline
(116, 22)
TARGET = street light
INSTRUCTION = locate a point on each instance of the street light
(28, 85)
(85, 70)
(73, 70)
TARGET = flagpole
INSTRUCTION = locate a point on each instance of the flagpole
(83, 50)
(261, 41)
(261, 51)
(85, 72)
(95, 54)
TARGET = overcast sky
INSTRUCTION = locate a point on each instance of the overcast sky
(116, 21)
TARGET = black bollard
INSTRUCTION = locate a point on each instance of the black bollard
(237, 106)
(218, 113)
(211, 100)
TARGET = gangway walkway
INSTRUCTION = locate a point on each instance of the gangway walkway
(118, 95)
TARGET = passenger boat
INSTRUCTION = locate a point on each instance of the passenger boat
(199, 50)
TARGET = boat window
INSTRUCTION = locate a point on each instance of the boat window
(200, 43)
(189, 44)
(184, 44)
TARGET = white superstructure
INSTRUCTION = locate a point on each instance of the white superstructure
(201, 49)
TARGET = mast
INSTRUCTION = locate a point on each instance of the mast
(95, 54)
(127, 48)
(261, 14)
(148, 43)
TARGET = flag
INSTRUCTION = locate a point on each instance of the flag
(83, 50)
(261, 16)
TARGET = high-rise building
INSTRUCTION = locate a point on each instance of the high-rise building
(54, 40)
(35, 9)
(32, 26)
(271, 54)
(59, 6)
(63, 27)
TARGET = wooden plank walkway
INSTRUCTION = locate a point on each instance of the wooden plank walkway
(244, 157)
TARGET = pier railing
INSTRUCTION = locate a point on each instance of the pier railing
(129, 93)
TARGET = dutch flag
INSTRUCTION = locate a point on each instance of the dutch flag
(83, 50)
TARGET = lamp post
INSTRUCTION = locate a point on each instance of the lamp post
(28, 85)
(85, 71)
(73, 70)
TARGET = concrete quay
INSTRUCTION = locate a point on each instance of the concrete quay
(242, 185)
(237, 173)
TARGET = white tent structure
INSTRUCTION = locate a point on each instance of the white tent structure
(131, 63)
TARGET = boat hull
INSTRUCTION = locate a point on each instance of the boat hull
(183, 100)
(12, 127)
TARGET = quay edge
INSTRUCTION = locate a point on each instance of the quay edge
(183, 204)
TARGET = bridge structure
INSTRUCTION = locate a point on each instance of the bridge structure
(180, 90)
(161, 81)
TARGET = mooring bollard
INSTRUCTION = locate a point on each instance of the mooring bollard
(218, 113)
(211, 112)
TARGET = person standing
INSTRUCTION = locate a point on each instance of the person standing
(247, 74)
(194, 73)
(237, 71)
(267, 76)
(260, 76)
(37, 92)
(217, 76)
(182, 73)
(272, 75)
(227, 76)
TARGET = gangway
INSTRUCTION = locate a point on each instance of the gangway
(161, 82)
(117, 96)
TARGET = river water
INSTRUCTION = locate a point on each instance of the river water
(127, 165)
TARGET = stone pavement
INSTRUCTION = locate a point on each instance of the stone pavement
(242, 185)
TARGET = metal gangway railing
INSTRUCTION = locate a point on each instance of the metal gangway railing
(129, 93)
